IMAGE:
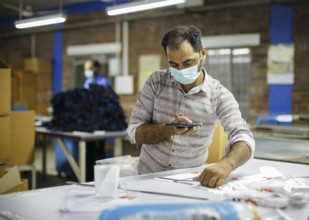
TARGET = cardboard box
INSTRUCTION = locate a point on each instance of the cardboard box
(42, 109)
(43, 97)
(5, 92)
(22, 138)
(38, 65)
(14, 88)
(21, 187)
(27, 95)
(43, 82)
(20, 106)
(5, 138)
(26, 83)
(2, 168)
(11, 182)
(25, 78)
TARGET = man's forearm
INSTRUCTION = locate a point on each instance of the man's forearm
(150, 133)
(239, 154)
(217, 174)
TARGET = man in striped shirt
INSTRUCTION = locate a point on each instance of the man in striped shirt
(186, 93)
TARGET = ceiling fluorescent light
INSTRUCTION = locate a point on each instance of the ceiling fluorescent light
(40, 21)
(140, 6)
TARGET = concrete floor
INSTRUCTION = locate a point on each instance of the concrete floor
(282, 149)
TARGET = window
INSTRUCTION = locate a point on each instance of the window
(231, 66)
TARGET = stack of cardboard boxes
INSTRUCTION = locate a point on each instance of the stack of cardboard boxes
(42, 70)
(5, 110)
(17, 132)
(31, 81)
(13, 58)
(33, 85)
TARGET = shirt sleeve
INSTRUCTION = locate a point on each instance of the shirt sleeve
(102, 81)
(234, 125)
(86, 84)
(244, 138)
(142, 111)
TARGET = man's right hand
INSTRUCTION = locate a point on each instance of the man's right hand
(185, 131)
(151, 133)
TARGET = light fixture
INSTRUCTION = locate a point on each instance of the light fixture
(140, 6)
(40, 21)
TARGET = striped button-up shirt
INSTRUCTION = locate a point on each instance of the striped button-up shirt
(162, 98)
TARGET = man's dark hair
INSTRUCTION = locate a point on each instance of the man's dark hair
(96, 64)
(178, 34)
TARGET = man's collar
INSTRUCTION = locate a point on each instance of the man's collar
(204, 84)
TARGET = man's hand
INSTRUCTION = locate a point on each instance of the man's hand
(151, 133)
(185, 131)
(215, 175)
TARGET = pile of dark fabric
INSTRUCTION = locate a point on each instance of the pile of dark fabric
(87, 110)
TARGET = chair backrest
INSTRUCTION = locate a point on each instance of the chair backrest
(216, 148)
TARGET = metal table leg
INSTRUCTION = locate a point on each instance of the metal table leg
(118, 147)
(79, 171)
(82, 160)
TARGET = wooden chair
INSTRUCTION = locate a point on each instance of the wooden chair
(216, 148)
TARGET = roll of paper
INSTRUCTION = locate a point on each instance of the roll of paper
(106, 180)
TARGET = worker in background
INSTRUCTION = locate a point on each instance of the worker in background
(95, 149)
(184, 92)
(93, 76)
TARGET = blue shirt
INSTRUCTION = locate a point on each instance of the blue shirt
(99, 80)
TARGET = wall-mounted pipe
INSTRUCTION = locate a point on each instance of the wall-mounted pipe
(125, 50)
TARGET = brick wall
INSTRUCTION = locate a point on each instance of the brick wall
(145, 38)
(300, 94)
(227, 21)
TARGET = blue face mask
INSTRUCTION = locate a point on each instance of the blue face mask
(89, 73)
(185, 76)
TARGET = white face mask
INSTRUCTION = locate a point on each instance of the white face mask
(185, 76)
(89, 73)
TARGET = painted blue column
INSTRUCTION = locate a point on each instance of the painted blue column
(280, 99)
(281, 24)
(281, 32)
(58, 61)
(62, 165)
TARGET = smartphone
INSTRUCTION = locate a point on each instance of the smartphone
(182, 124)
